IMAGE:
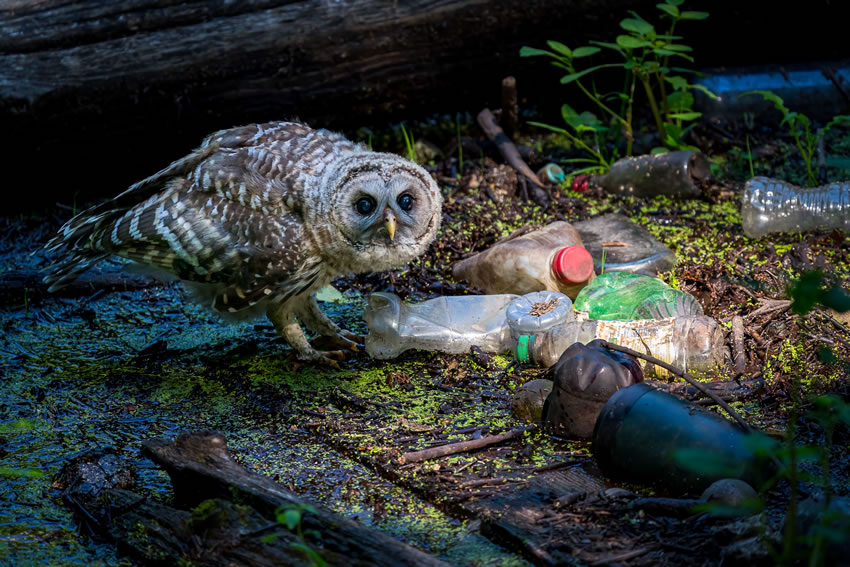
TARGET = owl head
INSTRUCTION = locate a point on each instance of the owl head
(384, 210)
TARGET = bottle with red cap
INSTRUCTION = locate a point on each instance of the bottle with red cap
(551, 258)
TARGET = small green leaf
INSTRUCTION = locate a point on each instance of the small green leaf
(330, 294)
(638, 26)
(694, 15)
(678, 83)
(606, 44)
(670, 9)
(566, 79)
(560, 48)
(686, 115)
(291, 518)
(675, 2)
(705, 90)
(677, 47)
(631, 42)
(585, 51)
(526, 51)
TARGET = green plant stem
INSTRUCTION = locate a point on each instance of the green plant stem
(630, 137)
(662, 91)
(653, 105)
(603, 106)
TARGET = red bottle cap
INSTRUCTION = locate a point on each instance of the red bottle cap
(572, 265)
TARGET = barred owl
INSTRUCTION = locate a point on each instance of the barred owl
(260, 217)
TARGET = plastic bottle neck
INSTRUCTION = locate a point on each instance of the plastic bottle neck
(572, 265)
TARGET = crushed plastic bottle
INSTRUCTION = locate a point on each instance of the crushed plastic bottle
(770, 205)
(456, 323)
(551, 258)
(621, 296)
(693, 344)
(627, 246)
(446, 324)
(674, 174)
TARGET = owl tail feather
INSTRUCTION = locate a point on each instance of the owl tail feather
(66, 272)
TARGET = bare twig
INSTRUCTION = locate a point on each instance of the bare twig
(510, 108)
(738, 344)
(768, 306)
(461, 446)
(686, 377)
(506, 147)
(620, 557)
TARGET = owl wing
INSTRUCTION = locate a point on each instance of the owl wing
(226, 214)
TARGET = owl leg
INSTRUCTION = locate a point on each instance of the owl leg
(314, 318)
(283, 319)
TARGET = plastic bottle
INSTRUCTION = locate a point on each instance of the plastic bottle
(454, 324)
(621, 296)
(627, 247)
(770, 205)
(446, 324)
(693, 344)
(551, 258)
(675, 174)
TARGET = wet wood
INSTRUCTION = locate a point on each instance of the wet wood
(26, 286)
(506, 147)
(738, 344)
(460, 446)
(201, 468)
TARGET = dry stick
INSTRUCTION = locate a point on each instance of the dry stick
(506, 147)
(685, 376)
(738, 343)
(461, 446)
(510, 108)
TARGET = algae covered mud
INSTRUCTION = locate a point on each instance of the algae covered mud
(115, 366)
(115, 369)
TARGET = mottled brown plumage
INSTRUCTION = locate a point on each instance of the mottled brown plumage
(258, 218)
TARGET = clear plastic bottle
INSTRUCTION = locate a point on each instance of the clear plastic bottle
(454, 324)
(551, 258)
(446, 324)
(622, 296)
(771, 205)
(693, 344)
(627, 247)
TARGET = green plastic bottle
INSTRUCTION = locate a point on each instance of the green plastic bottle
(621, 296)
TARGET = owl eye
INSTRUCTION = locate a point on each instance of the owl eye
(365, 205)
(405, 201)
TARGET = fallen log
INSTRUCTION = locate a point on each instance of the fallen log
(226, 515)
(25, 287)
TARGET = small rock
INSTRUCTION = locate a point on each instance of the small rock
(529, 398)
(729, 492)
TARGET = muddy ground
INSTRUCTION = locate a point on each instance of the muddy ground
(112, 367)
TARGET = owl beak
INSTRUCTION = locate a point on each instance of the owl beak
(389, 222)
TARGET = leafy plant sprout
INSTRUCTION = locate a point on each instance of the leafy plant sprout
(646, 55)
(409, 144)
(800, 128)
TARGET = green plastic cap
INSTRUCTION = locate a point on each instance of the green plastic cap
(522, 351)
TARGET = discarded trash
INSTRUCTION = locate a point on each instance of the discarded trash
(770, 205)
(622, 296)
(551, 258)
(649, 436)
(674, 174)
(730, 492)
(529, 398)
(694, 344)
(628, 247)
(584, 378)
(447, 324)
(538, 311)
(551, 173)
